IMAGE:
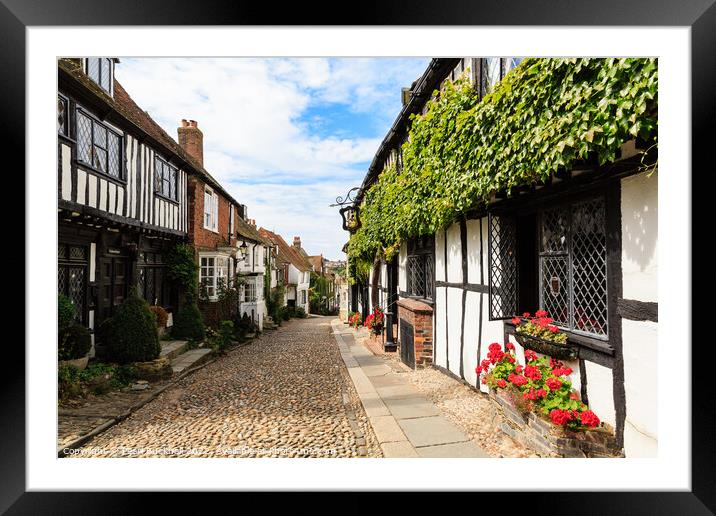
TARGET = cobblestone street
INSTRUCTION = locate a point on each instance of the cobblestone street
(287, 394)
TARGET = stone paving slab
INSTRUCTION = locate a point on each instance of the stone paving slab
(388, 380)
(429, 431)
(373, 404)
(172, 348)
(386, 429)
(454, 450)
(398, 449)
(377, 370)
(411, 407)
(396, 391)
(189, 359)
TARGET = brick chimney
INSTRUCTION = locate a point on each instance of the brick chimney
(297, 242)
(191, 140)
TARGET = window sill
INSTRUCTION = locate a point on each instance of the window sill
(168, 199)
(105, 175)
(577, 340)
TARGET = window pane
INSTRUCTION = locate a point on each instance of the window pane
(554, 293)
(172, 184)
(61, 115)
(106, 75)
(589, 267)
(93, 68)
(491, 73)
(555, 225)
(100, 136)
(502, 239)
(158, 165)
(114, 157)
(99, 159)
(84, 137)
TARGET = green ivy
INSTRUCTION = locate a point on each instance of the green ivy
(543, 117)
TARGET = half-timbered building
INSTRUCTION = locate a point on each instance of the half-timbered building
(582, 247)
(122, 193)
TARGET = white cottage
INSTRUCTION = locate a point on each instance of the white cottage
(583, 247)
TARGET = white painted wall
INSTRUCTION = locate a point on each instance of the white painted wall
(402, 257)
(600, 391)
(640, 202)
(454, 322)
(454, 254)
(440, 256)
(439, 340)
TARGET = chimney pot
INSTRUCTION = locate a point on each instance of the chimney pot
(184, 122)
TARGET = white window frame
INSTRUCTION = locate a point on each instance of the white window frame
(211, 215)
(220, 268)
(250, 292)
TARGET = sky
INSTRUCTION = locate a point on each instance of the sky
(285, 136)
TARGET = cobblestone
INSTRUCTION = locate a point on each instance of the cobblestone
(281, 396)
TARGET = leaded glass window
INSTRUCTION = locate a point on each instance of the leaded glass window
(165, 179)
(502, 251)
(99, 69)
(573, 266)
(98, 146)
(62, 115)
(72, 276)
(420, 270)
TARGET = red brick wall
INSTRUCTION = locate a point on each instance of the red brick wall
(205, 239)
(420, 316)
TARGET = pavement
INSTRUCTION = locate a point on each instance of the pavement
(405, 423)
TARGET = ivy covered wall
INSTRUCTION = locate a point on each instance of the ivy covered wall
(544, 116)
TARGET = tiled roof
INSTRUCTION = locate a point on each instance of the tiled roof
(123, 105)
(248, 232)
(285, 251)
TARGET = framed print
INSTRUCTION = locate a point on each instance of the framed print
(349, 254)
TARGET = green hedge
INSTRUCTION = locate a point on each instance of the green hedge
(132, 333)
(189, 324)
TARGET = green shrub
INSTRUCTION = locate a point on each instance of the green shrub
(300, 312)
(285, 313)
(74, 342)
(223, 338)
(66, 312)
(188, 324)
(132, 335)
(68, 382)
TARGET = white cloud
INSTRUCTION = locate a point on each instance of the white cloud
(258, 139)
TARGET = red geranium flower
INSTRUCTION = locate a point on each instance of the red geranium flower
(526, 314)
(517, 379)
(553, 384)
(533, 373)
(541, 393)
(516, 320)
(573, 396)
(501, 383)
(553, 329)
(541, 313)
(589, 418)
(519, 368)
(530, 355)
(560, 417)
(509, 345)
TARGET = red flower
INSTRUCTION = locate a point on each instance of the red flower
(553, 329)
(562, 371)
(533, 373)
(485, 365)
(573, 396)
(541, 393)
(519, 368)
(509, 358)
(530, 355)
(530, 395)
(501, 383)
(478, 369)
(540, 313)
(517, 379)
(589, 418)
(495, 347)
(509, 345)
(526, 314)
(553, 384)
(560, 417)
(484, 379)
(516, 320)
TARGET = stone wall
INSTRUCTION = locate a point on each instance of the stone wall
(549, 440)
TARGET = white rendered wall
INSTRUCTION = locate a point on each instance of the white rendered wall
(454, 322)
(402, 256)
(454, 254)
(639, 206)
(440, 256)
(439, 342)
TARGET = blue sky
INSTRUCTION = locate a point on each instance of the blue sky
(285, 136)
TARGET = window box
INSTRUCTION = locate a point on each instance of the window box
(545, 347)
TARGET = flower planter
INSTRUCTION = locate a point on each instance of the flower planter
(377, 329)
(549, 440)
(79, 363)
(545, 347)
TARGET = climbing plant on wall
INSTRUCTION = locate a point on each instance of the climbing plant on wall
(543, 117)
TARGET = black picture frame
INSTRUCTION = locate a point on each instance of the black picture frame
(699, 15)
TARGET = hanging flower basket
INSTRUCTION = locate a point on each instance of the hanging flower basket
(546, 347)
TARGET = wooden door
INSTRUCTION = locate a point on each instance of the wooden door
(112, 284)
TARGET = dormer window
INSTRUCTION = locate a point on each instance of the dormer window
(100, 69)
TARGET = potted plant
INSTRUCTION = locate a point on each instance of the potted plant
(539, 334)
(375, 320)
